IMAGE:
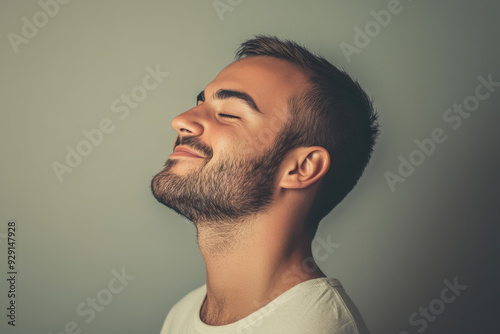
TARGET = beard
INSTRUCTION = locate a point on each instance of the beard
(226, 191)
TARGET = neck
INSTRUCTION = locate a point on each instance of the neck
(251, 263)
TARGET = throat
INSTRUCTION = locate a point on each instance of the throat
(219, 240)
(212, 313)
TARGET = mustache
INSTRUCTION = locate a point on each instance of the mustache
(196, 144)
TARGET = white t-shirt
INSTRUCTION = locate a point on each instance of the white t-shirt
(316, 306)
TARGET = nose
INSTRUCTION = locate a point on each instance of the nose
(189, 123)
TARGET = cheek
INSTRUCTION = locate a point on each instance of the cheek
(265, 133)
(243, 142)
(265, 137)
(223, 139)
(241, 147)
(230, 141)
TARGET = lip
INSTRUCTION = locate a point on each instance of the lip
(184, 151)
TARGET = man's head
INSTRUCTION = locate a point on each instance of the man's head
(277, 100)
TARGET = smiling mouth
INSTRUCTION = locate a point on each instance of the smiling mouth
(184, 152)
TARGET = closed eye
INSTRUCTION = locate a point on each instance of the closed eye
(228, 116)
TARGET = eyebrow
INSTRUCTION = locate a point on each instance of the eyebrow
(223, 94)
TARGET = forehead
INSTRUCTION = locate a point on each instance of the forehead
(270, 81)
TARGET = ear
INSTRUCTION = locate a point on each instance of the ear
(304, 166)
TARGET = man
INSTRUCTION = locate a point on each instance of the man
(275, 141)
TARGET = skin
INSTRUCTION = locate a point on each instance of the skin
(270, 254)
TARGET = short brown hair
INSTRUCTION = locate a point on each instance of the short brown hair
(334, 113)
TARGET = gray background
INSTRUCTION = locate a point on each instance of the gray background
(396, 247)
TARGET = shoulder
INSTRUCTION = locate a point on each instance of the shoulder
(191, 299)
(323, 305)
(184, 311)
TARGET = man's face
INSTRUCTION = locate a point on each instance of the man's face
(224, 163)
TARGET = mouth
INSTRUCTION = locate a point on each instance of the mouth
(184, 151)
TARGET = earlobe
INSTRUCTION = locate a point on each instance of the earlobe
(304, 167)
